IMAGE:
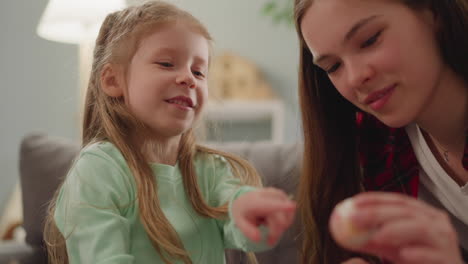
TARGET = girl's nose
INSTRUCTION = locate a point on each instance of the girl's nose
(186, 78)
(359, 74)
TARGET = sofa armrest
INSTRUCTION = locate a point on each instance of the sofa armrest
(19, 252)
(13, 251)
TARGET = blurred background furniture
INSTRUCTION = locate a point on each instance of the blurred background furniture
(44, 161)
(242, 105)
(243, 120)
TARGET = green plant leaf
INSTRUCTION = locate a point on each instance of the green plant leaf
(269, 8)
(280, 11)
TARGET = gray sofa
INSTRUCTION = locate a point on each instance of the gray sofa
(44, 161)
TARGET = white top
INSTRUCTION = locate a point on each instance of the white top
(437, 188)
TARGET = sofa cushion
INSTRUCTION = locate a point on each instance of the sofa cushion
(43, 163)
(277, 164)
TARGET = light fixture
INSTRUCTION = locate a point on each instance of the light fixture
(74, 21)
(77, 22)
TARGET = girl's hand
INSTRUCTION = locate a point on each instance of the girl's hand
(402, 229)
(267, 206)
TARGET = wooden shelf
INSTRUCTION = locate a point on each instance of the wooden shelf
(249, 112)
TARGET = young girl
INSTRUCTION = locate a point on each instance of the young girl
(141, 190)
(384, 98)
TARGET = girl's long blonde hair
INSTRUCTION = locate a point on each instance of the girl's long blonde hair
(108, 119)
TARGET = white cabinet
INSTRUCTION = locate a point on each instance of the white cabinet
(232, 121)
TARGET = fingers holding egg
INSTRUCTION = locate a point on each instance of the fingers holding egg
(344, 231)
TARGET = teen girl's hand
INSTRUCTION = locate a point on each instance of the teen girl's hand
(267, 206)
(401, 229)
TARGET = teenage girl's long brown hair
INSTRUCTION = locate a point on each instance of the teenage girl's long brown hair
(108, 119)
(331, 170)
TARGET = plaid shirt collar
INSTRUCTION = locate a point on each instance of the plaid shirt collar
(387, 158)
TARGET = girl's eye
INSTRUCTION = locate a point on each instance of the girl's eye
(198, 73)
(371, 40)
(165, 64)
(333, 68)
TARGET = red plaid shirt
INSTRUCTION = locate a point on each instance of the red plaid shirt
(387, 157)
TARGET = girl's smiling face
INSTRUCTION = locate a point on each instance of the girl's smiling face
(380, 55)
(167, 79)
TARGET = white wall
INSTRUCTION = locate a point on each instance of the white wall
(38, 85)
(39, 78)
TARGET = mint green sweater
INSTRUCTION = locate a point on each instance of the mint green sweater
(97, 210)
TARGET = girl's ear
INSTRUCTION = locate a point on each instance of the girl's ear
(112, 81)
